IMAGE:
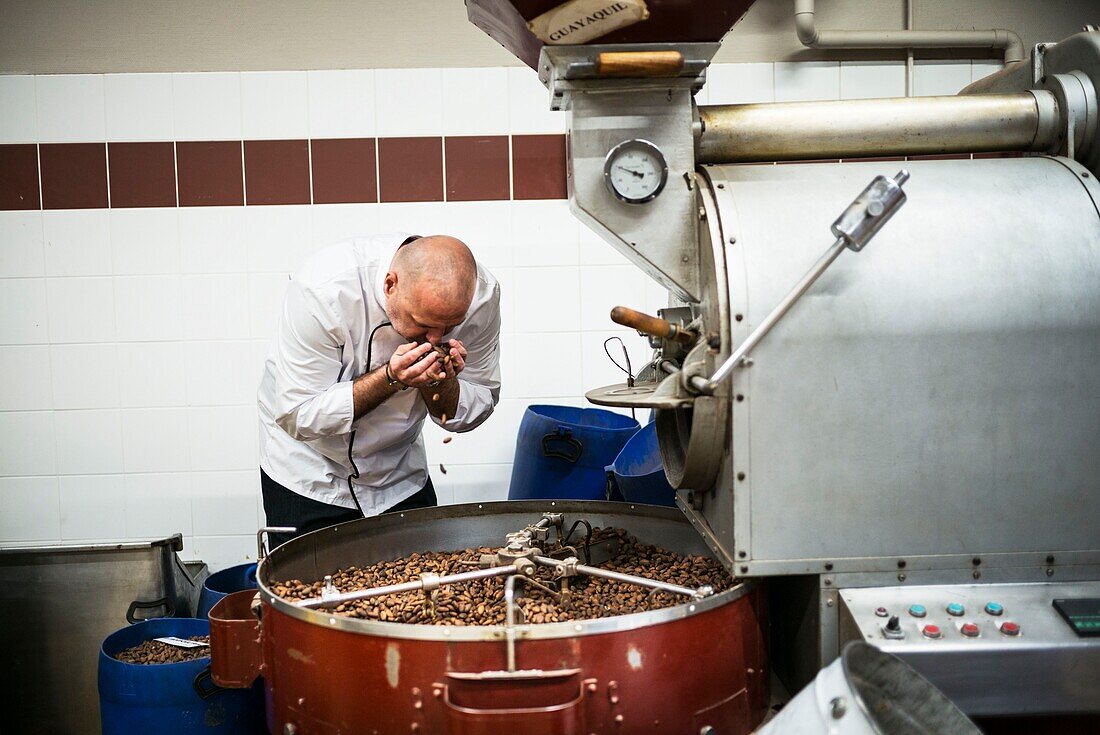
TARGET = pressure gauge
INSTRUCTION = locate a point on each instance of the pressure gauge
(635, 171)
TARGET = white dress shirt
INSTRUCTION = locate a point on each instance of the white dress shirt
(305, 398)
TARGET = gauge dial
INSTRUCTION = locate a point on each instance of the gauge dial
(635, 171)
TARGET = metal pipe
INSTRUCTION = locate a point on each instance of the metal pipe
(510, 620)
(897, 126)
(627, 578)
(393, 589)
(809, 35)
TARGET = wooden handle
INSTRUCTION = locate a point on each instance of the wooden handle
(655, 326)
(639, 63)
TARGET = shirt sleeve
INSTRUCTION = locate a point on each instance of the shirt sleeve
(310, 401)
(479, 381)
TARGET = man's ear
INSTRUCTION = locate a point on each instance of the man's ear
(390, 283)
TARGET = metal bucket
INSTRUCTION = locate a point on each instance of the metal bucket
(869, 692)
(327, 673)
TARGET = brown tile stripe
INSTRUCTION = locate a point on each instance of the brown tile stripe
(477, 168)
(142, 174)
(19, 177)
(74, 175)
(345, 170)
(410, 169)
(210, 173)
(276, 172)
(341, 170)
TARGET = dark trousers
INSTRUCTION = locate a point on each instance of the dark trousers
(284, 507)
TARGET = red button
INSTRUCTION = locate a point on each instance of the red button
(932, 631)
(970, 630)
(1010, 628)
(881, 612)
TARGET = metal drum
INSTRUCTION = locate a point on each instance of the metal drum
(699, 664)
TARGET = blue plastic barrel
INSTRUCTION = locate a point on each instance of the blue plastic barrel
(638, 472)
(220, 584)
(561, 452)
(169, 699)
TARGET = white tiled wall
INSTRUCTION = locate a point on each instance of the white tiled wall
(131, 341)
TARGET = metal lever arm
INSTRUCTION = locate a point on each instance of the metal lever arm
(855, 227)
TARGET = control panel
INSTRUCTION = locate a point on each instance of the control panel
(991, 648)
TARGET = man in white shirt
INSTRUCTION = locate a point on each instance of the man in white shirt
(353, 371)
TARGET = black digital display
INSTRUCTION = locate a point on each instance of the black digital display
(1082, 614)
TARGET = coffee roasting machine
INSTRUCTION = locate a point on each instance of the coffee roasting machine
(908, 449)
(875, 389)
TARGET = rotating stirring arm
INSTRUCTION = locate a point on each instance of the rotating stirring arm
(860, 222)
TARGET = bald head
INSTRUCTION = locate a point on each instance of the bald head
(429, 286)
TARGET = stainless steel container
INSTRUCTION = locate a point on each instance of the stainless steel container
(58, 603)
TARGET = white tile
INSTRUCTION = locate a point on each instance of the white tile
(982, 69)
(481, 483)
(224, 503)
(220, 373)
(85, 376)
(274, 105)
(409, 102)
(93, 507)
(341, 103)
(597, 369)
(656, 296)
(495, 440)
(29, 509)
(861, 80)
(158, 505)
(475, 101)
(506, 278)
(544, 233)
(207, 105)
(594, 250)
(26, 378)
(139, 107)
(21, 250)
(88, 442)
(151, 374)
(222, 552)
(145, 241)
(27, 443)
(265, 297)
(485, 227)
(77, 242)
(797, 81)
(23, 311)
(508, 365)
(529, 104)
(211, 240)
(215, 306)
(546, 365)
(418, 218)
(155, 439)
(331, 223)
(547, 299)
(70, 108)
(18, 123)
(604, 287)
(735, 84)
(148, 308)
(940, 77)
(277, 238)
(224, 437)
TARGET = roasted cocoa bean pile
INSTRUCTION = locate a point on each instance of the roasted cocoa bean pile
(155, 652)
(482, 602)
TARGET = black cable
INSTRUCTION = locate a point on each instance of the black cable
(351, 441)
(628, 369)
